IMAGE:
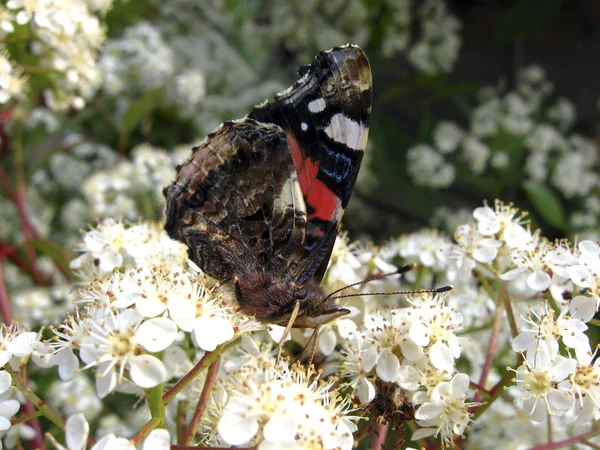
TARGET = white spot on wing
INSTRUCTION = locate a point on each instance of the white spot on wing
(317, 105)
(304, 126)
(344, 130)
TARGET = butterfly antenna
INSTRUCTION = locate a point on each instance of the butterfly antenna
(422, 291)
(378, 276)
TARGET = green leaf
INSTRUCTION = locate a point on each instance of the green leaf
(525, 18)
(55, 252)
(138, 109)
(546, 203)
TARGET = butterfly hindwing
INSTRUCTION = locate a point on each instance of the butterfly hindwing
(237, 201)
(325, 117)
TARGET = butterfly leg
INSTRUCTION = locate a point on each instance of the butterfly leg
(288, 329)
(313, 344)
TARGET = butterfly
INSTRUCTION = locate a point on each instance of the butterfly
(259, 202)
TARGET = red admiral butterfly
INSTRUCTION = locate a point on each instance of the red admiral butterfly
(260, 200)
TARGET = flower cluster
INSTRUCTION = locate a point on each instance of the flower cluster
(66, 37)
(506, 127)
(131, 189)
(286, 408)
(416, 348)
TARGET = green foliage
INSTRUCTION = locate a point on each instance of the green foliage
(546, 204)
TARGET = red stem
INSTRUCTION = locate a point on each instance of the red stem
(566, 442)
(489, 357)
(4, 301)
(380, 436)
(211, 376)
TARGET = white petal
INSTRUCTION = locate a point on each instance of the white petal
(237, 429)
(369, 358)
(109, 260)
(276, 333)
(281, 429)
(419, 334)
(147, 371)
(524, 341)
(516, 236)
(581, 276)
(105, 384)
(5, 423)
(156, 334)
(157, 440)
(408, 378)
(573, 339)
(10, 408)
(485, 254)
(77, 430)
(582, 307)
(365, 391)
(429, 411)
(183, 313)
(22, 344)
(212, 331)
(563, 369)
(484, 213)
(422, 433)
(460, 384)
(589, 248)
(68, 366)
(512, 274)
(560, 401)
(249, 345)
(346, 328)
(539, 281)
(327, 340)
(411, 350)
(5, 381)
(4, 357)
(387, 366)
(441, 357)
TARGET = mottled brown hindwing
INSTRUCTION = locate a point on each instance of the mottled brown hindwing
(236, 201)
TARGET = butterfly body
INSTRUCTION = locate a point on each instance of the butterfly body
(260, 200)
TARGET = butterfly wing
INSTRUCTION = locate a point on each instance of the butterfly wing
(325, 117)
(237, 201)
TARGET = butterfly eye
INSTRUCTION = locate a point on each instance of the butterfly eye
(197, 198)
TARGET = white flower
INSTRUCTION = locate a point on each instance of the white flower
(563, 113)
(503, 222)
(69, 336)
(584, 383)
(359, 358)
(427, 167)
(12, 82)
(115, 344)
(434, 326)
(107, 243)
(428, 247)
(537, 379)
(476, 153)
(586, 274)
(447, 136)
(291, 410)
(547, 327)
(471, 247)
(447, 412)
(545, 138)
(8, 406)
(75, 396)
(535, 261)
(77, 430)
(16, 342)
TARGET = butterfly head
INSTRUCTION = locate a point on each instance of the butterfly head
(272, 301)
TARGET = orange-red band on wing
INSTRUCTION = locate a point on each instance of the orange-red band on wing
(316, 193)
